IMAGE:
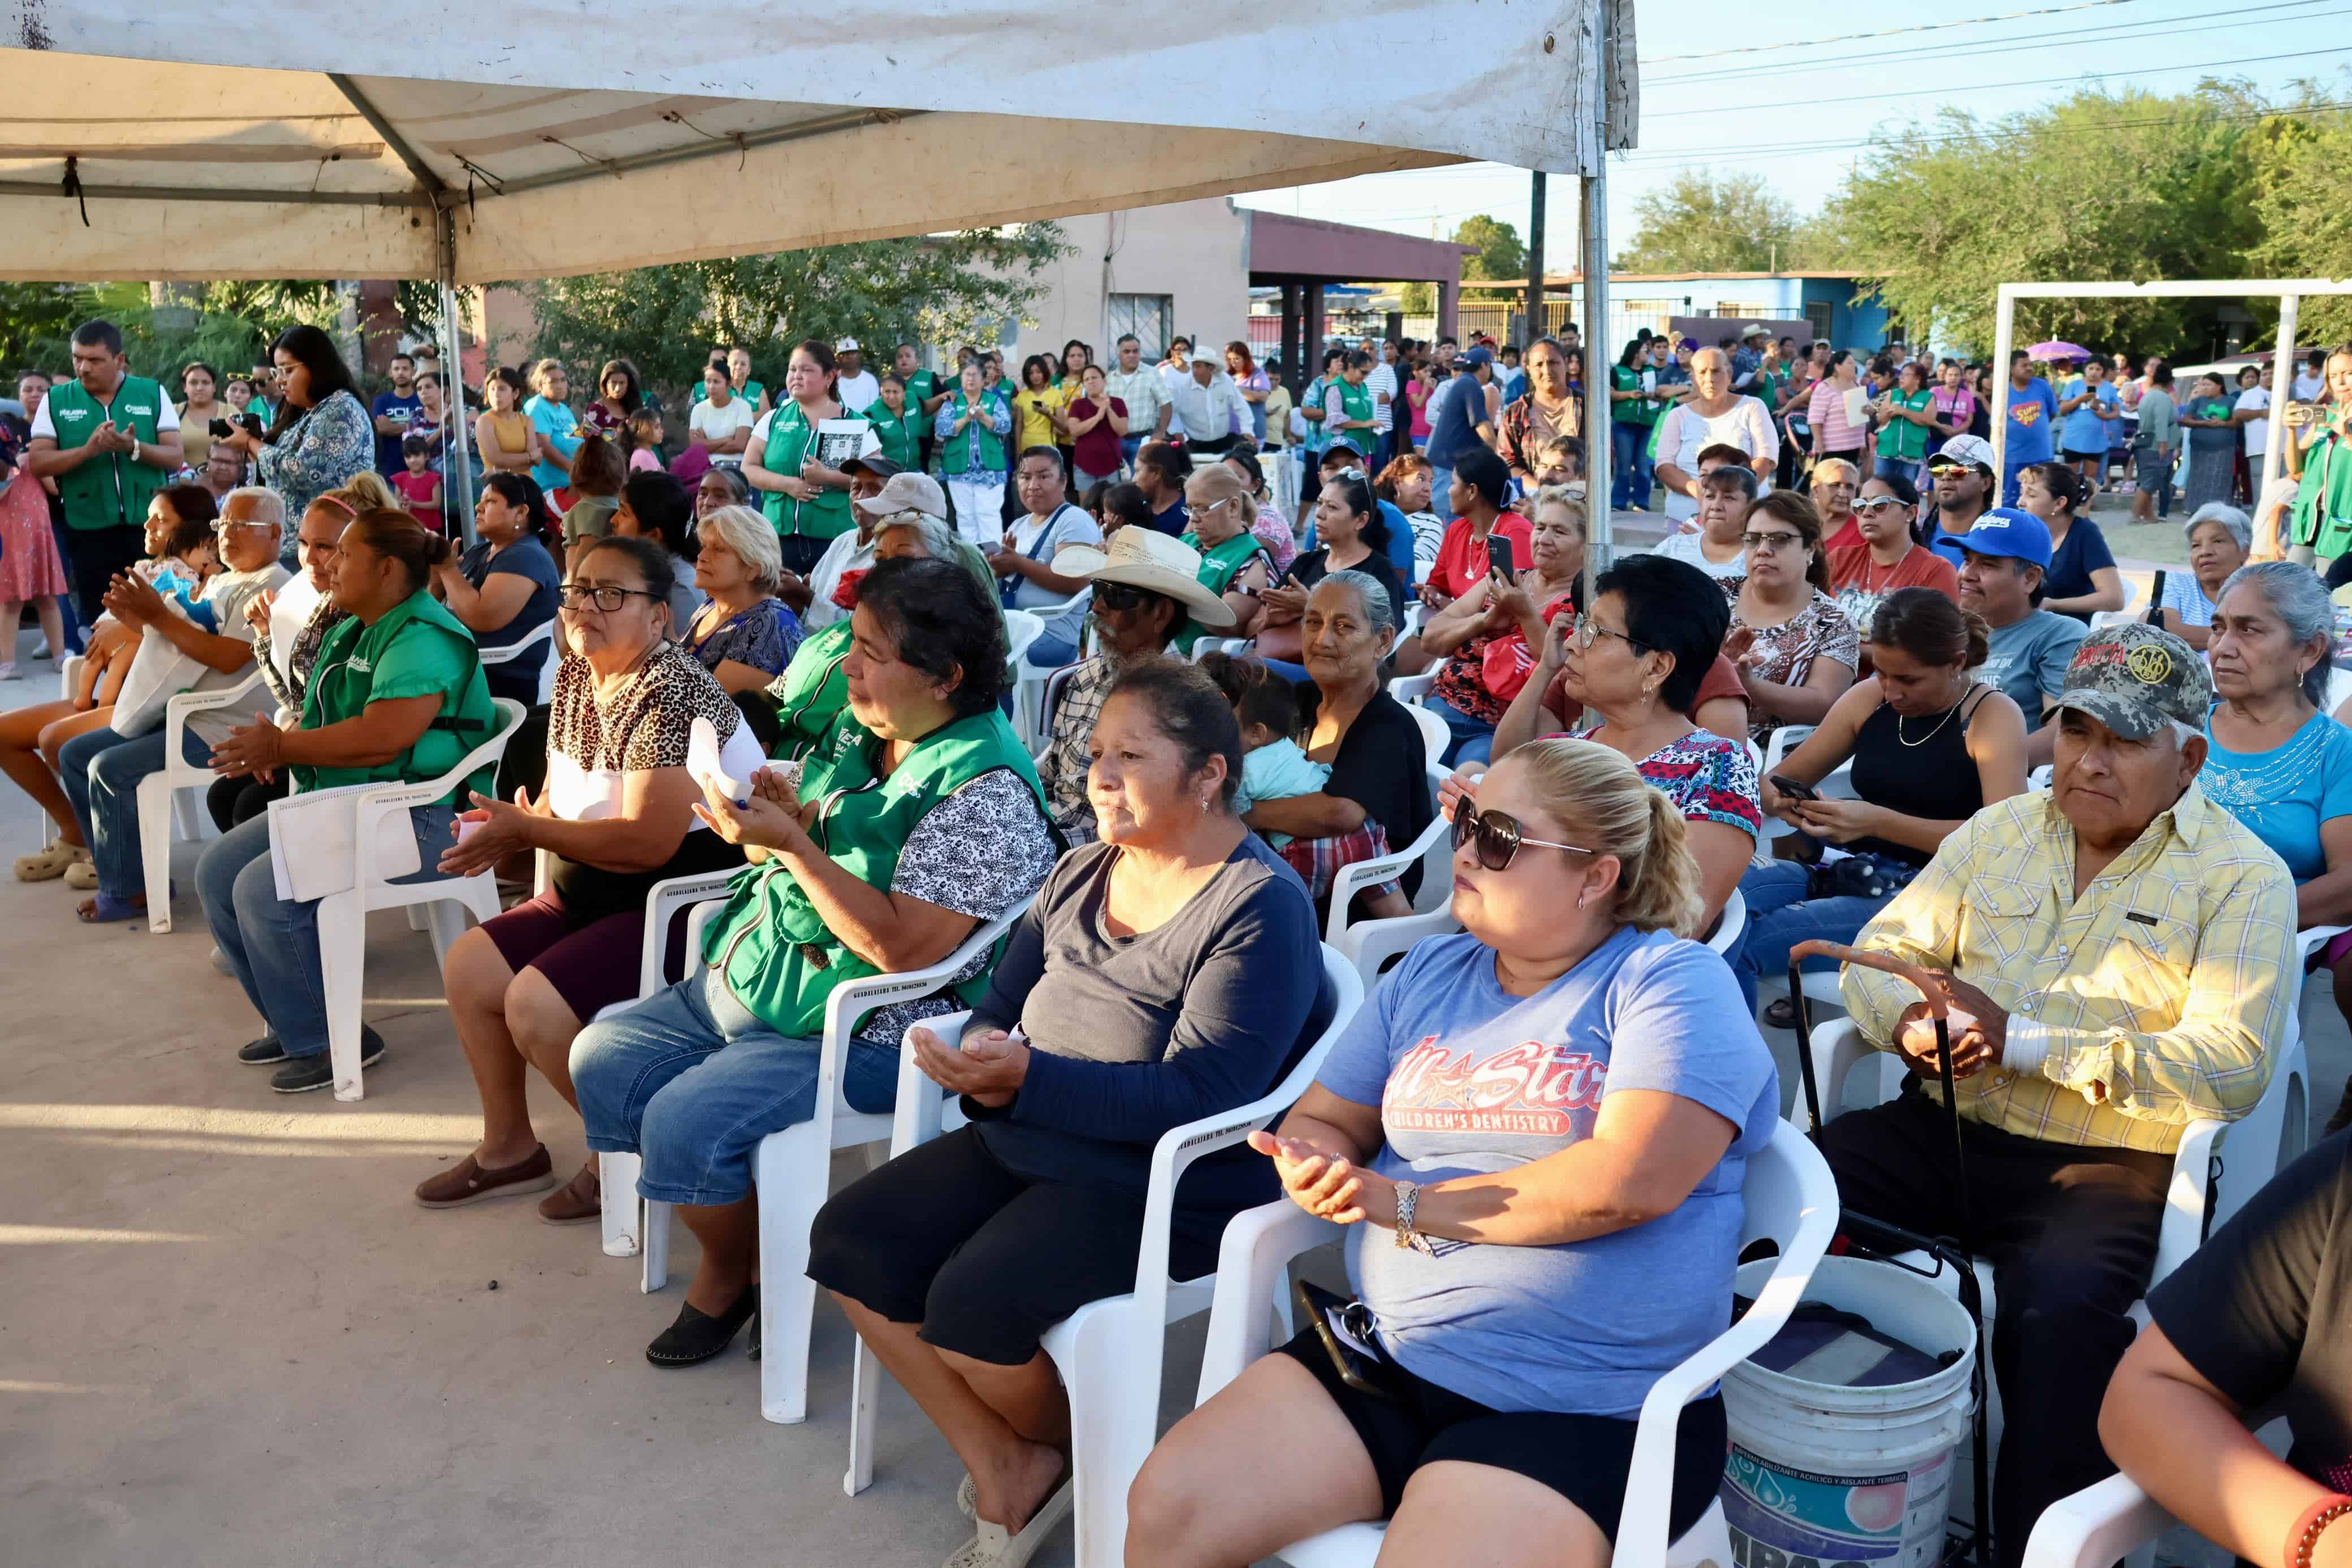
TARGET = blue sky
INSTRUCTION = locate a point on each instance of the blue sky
(1739, 112)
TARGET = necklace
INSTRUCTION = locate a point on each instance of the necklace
(1931, 735)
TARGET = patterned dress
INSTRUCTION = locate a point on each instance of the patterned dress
(325, 449)
(1784, 654)
(1709, 779)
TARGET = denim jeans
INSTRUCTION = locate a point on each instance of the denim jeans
(1629, 483)
(100, 771)
(1474, 738)
(2010, 469)
(272, 944)
(1899, 468)
(1779, 917)
(689, 1079)
(1051, 652)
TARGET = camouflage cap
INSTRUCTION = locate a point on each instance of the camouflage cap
(2132, 678)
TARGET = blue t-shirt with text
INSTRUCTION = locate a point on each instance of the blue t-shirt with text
(1471, 1079)
(2032, 410)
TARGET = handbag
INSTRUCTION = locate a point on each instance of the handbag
(1861, 875)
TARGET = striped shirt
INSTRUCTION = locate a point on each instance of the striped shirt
(2146, 1003)
(1832, 432)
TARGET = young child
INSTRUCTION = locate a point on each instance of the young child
(1272, 767)
(419, 486)
(645, 440)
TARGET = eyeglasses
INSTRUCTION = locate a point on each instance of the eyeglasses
(1874, 505)
(1949, 470)
(1772, 544)
(1591, 629)
(580, 595)
(1122, 596)
(224, 525)
(1498, 837)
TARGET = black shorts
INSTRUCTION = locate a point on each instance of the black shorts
(984, 1258)
(1585, 1459)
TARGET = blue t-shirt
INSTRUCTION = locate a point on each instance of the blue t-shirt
(1458, 418)
(2083, 551)
(2086, 432)
(2284, 794)
(1400, 541)
(1471, 1079)
(387, 447)
(562, 427)
(2032, 410)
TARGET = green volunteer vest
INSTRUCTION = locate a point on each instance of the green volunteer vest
(2322, 514)
(1358, 401)
(774, 950)
(789, 435)
(901, 435)
(343, 682)
(1219, 567)
(1633, 410)
(113, 490)
(1902, 440)
(922, 387)
(812, 692)
(991, 446)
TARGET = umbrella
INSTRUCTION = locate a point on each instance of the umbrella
(2056, 349)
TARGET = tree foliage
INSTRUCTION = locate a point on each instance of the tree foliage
(1700, 223)
(944, 288)
(2303, 198)
(1502, 254)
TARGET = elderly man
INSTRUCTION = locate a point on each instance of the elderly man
(1210, 412)
(1139, 386)
(2122, 950)
(102, 436)
(223, 472)
(100, 769)
(1755, 340)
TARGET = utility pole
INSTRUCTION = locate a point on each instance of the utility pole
(1535, 263)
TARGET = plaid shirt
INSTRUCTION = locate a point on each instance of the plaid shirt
(1318, 861)
(2151, 1001)
(1064, 767)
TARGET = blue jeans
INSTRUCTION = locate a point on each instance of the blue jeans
(1051, 652)
(100, 771)
(2009, 470)
(272, 944)
(1629, 448)
(1474, 738)
(1899, 468)
(1128, 445)
(690, 1080)
(1779, 917)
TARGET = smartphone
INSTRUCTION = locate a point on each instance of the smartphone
(221, 427)
(1794, 791)
(1498, 557)
(1343, 1327)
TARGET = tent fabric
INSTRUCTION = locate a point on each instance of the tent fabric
(281, 139)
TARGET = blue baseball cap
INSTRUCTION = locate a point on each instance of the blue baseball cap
(1478, 356)
(2007, 532)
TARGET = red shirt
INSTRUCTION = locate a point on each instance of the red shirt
(1847, 537)
(1098, 451)
(1456, 570)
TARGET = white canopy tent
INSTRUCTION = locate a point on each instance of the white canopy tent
(476, 145)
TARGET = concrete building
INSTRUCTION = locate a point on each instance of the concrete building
(1825, 300)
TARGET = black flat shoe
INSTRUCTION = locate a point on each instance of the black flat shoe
(1781, 1013)
(2343, 1117)
(697, 1336)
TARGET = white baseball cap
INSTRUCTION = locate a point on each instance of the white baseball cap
(847, 346)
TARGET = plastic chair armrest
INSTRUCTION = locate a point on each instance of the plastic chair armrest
(2096, 1526)
(920, 1113)
(1258, 1245)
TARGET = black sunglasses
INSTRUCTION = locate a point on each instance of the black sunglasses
(1123, 596)
(1498, 836)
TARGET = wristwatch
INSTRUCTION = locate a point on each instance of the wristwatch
(1408, 1198)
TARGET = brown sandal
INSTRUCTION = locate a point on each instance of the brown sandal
(577, 1201)
(467, 1182)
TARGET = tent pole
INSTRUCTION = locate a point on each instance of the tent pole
(1592, 260)
(452, 389)
(2275, 448)
(2004, 335)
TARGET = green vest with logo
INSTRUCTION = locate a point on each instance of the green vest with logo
(343, 684)
(991, 446)
(812, 692)
(901, 435)
(114, 489)
(1220, 564)
(1358, 401)
(774, 950)
(790, 437)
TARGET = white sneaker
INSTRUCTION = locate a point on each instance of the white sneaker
(220, 962)
(8, 670)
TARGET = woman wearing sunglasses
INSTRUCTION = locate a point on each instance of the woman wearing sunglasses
(1888, 557)
(1494, 1250)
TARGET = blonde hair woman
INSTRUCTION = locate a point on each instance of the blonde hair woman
(744, 634)
(1622, 1091)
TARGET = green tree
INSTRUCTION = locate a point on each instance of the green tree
(943, 288)
(231, 325)
(1699, 223)
(1502, 255)
(2128, 185)
(2303, 198)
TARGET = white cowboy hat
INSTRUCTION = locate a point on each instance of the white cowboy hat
(1143, 558)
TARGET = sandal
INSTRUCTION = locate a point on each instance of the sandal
(695, 1336)
(105, 909)
(1780, 1012)
(467, 1182)
(51, 863)
(577, 1201)
(995, 1546)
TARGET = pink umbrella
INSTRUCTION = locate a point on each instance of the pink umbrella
(2057, 350)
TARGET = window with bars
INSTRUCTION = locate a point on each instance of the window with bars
(1150, 316)
(1817, 313)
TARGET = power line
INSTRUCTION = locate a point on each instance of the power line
(1882, 33)
(1943, 92)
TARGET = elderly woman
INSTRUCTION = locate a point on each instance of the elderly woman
(2276, 760)
(1487, 635)
(1165, 973)
(1268, 525)
(1234, 564)
(1887, 555)
(2213, 442)
(616, 818)
(100, 769)
(1376, 798)
(1931, 745)
(932, 824)
(1644, 659)
(1145, 585)
(1550, 1262)
(2218, 538)
(1714, 415)
(971, 428)
(744, 635)
(1835, 484)
(322, 435)
(398, 696)
(1795, 650)
(807, 502)
(721, 487)
(654, 506)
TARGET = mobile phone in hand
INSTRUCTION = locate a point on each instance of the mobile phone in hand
(1794, 791)
(1498, 557)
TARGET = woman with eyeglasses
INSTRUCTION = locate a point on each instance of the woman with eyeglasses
(1795, 650)
(1493, 1252)
(617, 817)
(1233, 564)
(1887, 555)
(1932, 745)
(1646, 658)
(397, 696)
(918, 819)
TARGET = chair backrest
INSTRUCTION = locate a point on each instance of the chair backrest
(1731, 926)
(506, 654)
(1434, 736)
(1781, 742)
(1020, 629)
(1785, 1178)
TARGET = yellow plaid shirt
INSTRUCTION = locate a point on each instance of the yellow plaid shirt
(2158, 992)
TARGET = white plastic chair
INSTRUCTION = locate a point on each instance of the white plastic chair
(1049, 698)
(1020, 629)
(2111, 1521)
(167, 793)
(2102, 619)
(342, 916)
(1029, 681)
(1410, 689)
(1109, 1352)
(2040, 778)
(1432, 850)
(792, 1169)
(1730, 925)
(540, 635)
(1788, 1198)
